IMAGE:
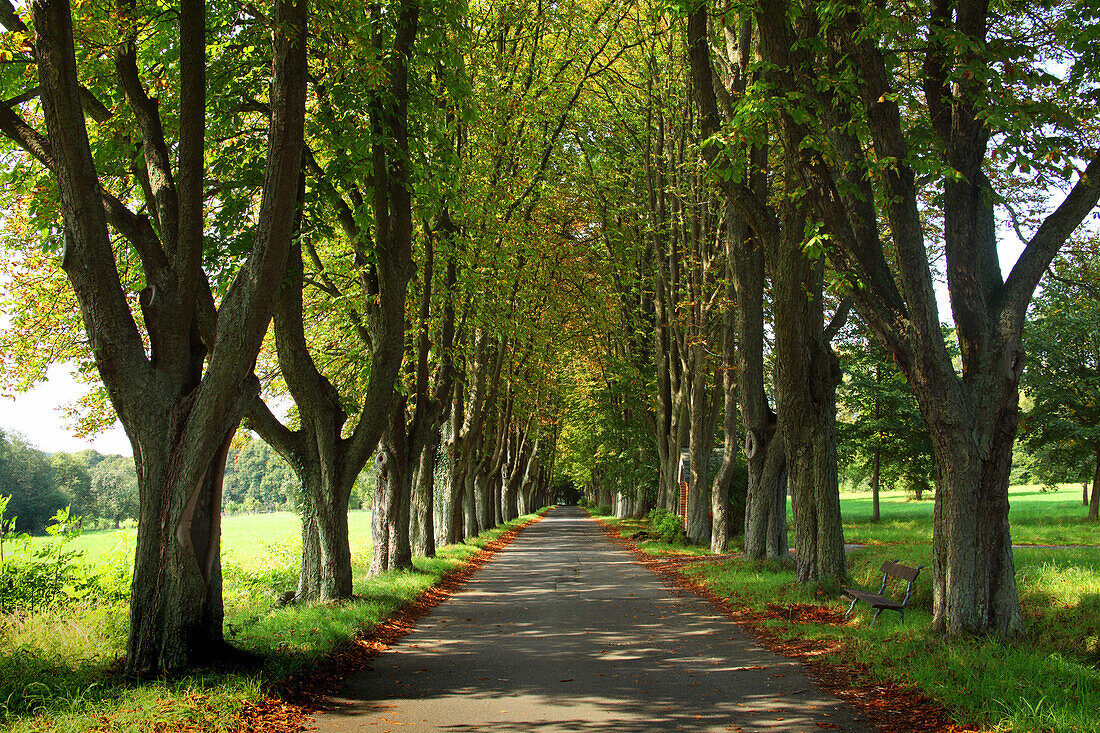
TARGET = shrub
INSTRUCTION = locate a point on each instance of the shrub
(50, 573)
(601, 510)
(666, 526)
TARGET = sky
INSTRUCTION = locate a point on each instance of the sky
(37, 416)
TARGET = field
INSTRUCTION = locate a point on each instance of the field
(1037, 518)
(1046, 680)
(248, 540)
(58, 666)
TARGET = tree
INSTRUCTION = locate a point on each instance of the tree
(181, 397)
(114, 488)
(863, 144)
(781, 237)
(1062, 376)
(883, 437)
(28, 479)
(255, 475)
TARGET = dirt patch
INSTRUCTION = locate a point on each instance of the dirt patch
(887, 706)
(299, 698)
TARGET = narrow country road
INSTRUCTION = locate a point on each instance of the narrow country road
(562, 631)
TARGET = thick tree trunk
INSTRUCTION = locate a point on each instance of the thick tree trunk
(176, 596)
(396, 478)
(325, 572)
(974, 579)
(424, 499)
(766, 498)
(807, 375)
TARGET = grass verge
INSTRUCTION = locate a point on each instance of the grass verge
(58, 669)
(1046, 680)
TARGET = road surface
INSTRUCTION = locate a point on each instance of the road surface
(563, 631)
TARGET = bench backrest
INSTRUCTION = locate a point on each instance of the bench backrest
(900, 571)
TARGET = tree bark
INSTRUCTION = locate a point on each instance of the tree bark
(1094, 503)
(875, 465)
(806, 381)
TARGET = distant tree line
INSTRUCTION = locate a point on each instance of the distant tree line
(102, 490)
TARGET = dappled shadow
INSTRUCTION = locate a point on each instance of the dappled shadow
(563, 631)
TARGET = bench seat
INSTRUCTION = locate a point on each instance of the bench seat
(880, 602)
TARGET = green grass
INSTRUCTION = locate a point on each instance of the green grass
(1037, 518)
(57, 667)
(1046, 680)
(246, 539)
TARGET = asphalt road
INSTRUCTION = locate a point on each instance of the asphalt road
(562, 631)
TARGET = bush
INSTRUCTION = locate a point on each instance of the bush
(666, 527)
(602, 510)
(50, 574)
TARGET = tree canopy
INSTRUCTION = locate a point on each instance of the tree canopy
(487, 249)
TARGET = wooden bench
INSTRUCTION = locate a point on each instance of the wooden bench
(890, 568)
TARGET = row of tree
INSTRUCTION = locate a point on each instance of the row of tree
(374, 181)
(102, 490)
(489, 233)
(776, 168)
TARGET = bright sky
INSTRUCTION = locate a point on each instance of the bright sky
(38, 417)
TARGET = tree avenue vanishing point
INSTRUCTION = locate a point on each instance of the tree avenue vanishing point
(493, 255)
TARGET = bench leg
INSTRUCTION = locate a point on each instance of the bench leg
(901, 611)
(877, 612)
(854, 602)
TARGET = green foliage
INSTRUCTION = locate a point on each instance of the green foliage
(114, 487)
(666, 526)
(50, 573)
(258, 479)
(879, 418)
(1061, 378)
(27, 477)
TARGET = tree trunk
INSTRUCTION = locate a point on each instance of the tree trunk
(701, 437)
(1094, 504)
(395, 477)
(469, 505)
(176, 596)
(807, 375)
(974, 580)
(326, 550)
(424, 498)
(766, 498)
(720, 490)
(380, 528)
(875, 464)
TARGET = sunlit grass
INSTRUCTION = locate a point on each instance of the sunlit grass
(1036, 517)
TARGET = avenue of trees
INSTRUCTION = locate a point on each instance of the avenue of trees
(485, 249)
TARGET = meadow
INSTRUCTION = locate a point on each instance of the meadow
(59, 665)
(1046, 680)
